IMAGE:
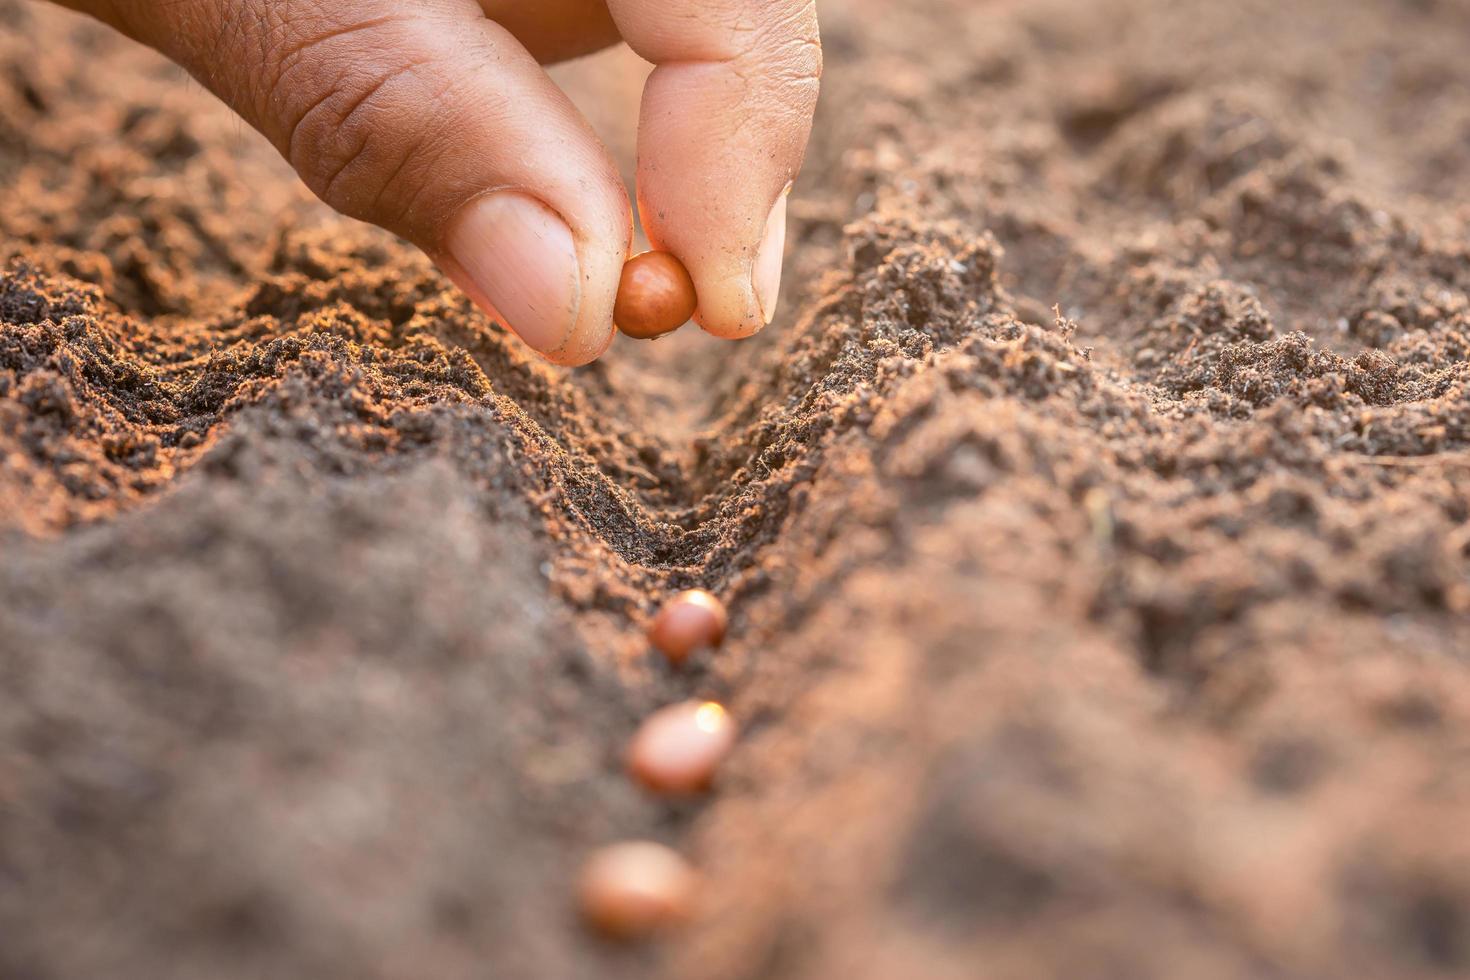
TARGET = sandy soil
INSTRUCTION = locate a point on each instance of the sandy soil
(1093, 522)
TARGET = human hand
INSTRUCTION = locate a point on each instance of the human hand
(435, 120)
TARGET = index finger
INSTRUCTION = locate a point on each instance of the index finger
(724, 125)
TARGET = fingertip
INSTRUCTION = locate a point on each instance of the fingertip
(601, 261)
(584, 346)
(521, 265)
(731, 311)
(720, 142)
(769, 258)
(521, 260)
(739, 289)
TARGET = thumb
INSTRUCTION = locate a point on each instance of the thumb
(434, 123)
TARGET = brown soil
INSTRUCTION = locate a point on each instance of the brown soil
(1093, 522)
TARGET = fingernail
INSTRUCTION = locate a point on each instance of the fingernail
(520, 257)
(766, 276)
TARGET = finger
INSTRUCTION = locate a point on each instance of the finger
(725, 119)
(555, 30)
(435, 123)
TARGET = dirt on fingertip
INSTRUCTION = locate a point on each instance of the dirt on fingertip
(1094, 523)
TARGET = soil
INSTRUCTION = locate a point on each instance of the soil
(1093, 522)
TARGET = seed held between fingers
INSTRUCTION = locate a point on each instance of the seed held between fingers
(677, 749)
(655, 296)
(636, 888)
(688, 622)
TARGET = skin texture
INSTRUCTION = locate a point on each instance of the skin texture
(655, 297)
(435, 120)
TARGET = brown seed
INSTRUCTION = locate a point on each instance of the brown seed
(655, 296)
(636, 888)
(677, 749)
(687, 622)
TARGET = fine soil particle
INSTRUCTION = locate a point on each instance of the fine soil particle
(1092, 521)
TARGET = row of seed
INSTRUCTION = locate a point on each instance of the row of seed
(633, 889)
